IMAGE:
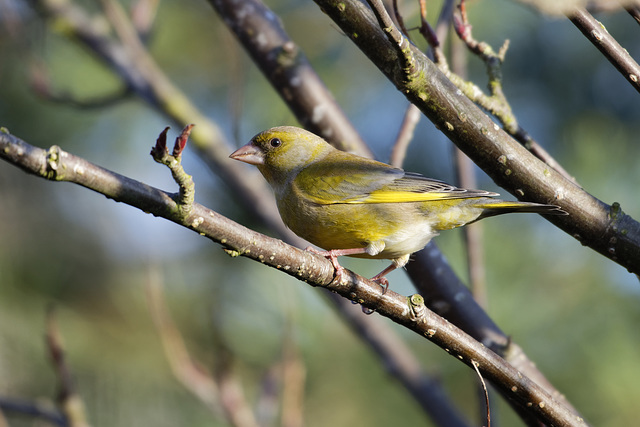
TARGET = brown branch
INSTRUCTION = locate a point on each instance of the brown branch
(71, 404)
(288, 70)
(598, 35)
(405, 135)
(223, 395)
(634, 11)
(57, 165)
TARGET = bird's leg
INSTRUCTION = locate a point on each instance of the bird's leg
(333, 255)
(397, 263)
(381, 280)
(373, 249)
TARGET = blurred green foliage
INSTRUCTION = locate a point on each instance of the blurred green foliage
(574, 312)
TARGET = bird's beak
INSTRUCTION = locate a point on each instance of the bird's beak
(249, 154)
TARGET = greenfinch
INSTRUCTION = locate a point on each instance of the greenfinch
(354, 206)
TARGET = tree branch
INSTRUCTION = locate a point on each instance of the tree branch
(57, 165)
(598, 35)
(288, 70)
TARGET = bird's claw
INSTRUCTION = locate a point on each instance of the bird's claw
(382, 281)
(338, 274)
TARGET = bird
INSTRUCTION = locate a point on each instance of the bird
(350, 205)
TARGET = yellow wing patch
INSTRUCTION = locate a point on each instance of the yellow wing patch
(402, 197)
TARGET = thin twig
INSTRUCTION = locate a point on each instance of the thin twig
(486, 393)
(497, 103)
(70, 402)
(405, 135)
(219, 398)
(598, 35)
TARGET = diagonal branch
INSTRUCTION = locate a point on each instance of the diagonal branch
(288, 70)
(56, 165)
(598, 35)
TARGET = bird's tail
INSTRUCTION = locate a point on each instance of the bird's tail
(499, 207)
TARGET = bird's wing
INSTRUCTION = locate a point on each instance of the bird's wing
(368, 181)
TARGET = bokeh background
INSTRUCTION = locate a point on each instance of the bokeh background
(573, 312)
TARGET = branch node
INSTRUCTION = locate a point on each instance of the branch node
(52, 171)
(417, 309)
(395, 36)
(173, 161)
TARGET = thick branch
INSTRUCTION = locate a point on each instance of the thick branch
(593, 223)
(55, 164)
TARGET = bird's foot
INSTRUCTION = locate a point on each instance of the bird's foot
(333, 255)
(382, 281)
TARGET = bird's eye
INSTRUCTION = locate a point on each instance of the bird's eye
(275, 142)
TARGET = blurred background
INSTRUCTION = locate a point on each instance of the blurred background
(574, 312)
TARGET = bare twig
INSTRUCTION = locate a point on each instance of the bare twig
(496, 103)
(399, 19)
(220, 397)
(70, 402)
(486, 393)
(55, 164)
(598, 35)
(294, 375)
(405, 135)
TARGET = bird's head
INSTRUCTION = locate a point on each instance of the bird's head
(281, 152)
